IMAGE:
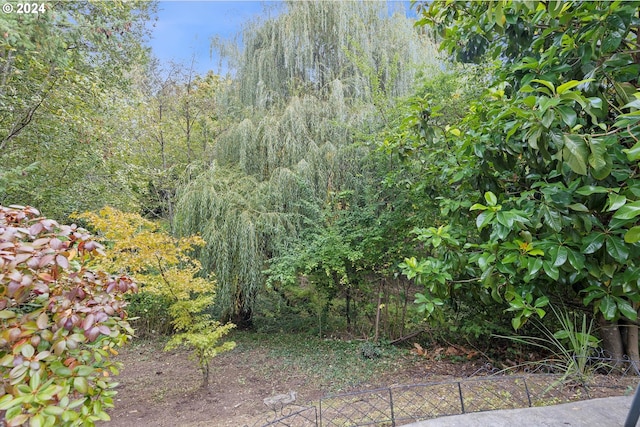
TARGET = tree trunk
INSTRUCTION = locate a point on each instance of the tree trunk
(347, 298)
(611, 338)
(631, 344)
(406, 285)
(205, 375)
(241, 314)
(377, 333)
(243, 319)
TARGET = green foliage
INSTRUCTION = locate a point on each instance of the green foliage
(570, 347)
(431, 190)
(310, 81)
(550, 145)
(370, 350)
(150, 314)
(163, 266)
(310, 47)
(176, 119)
(37, 61)
(431, 272)
(61, 320)
(200, 334)
(12, 178)
(228, 208)
(63, 76)
(341, 263)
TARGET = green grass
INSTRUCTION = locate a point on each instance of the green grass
(336, 365)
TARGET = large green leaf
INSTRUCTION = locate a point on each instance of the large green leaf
(628, 211)
(546, 103)
(561, 256)
(568, 115)
(551, 270)
(599, 158)
(612, 41)
(484, 218)
(633, 104)
(533, 266)
(628, 120)
(574, 96)
(508, 218)
(491, 198)
(626, 308)
(542, 301)
(633, 153)
(576, 153)
(578, 207)
(608, 307)
(548, 117)
(570, 85)
(617, 249)
(576, 259)
(546, 83)
(615, 202)
(588, 190)
(567, 86)
(553, 218)
(633, 235)
(592, 242)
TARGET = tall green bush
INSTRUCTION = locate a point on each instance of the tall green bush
(550, 151)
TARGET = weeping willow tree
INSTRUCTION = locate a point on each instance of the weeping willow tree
(307, 82)
(231, 210)
(313, 44)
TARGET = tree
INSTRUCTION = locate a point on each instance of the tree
(327, 256)
(430, 185)
(162, 265)
(553, 146)
(170, 139)
(62, 321)
(58, 70)
(231, 211)
(305, 88)
(342, 267)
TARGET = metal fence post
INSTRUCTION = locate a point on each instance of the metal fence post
(393, 418)
(526, 388)
(461, 399)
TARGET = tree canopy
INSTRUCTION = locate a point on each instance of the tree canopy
(308, 82)
(551, 148)
(61, 71)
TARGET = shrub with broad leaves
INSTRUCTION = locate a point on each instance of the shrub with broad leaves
(62, 321)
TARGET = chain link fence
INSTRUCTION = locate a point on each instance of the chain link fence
(488, 389)
(296, 416)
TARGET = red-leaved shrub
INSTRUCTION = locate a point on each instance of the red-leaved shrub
(61, 323)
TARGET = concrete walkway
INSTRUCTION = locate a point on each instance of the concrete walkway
(605, 412)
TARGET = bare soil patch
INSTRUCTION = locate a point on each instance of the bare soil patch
(159, 388)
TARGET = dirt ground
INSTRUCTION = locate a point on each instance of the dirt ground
(163, 389)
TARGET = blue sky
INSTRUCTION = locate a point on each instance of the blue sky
(185, 28)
